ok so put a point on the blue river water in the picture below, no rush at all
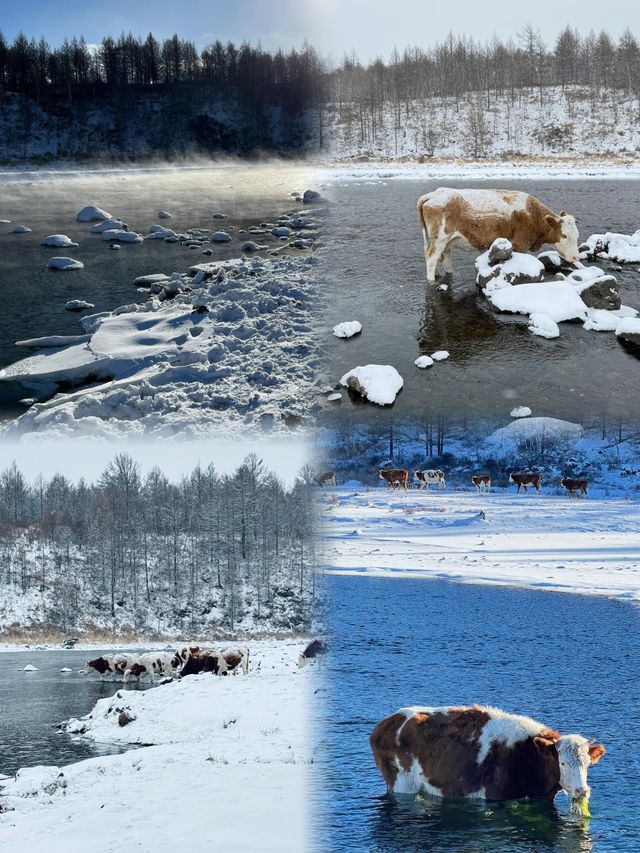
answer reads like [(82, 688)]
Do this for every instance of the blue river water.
[(571, 662)]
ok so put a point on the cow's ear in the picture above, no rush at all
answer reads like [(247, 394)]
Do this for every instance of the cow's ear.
[(552, 220), (596, 751), (543, 742)]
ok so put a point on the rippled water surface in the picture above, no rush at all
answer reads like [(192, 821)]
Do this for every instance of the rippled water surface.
[(570, 661), (375, 273), (33, 704)]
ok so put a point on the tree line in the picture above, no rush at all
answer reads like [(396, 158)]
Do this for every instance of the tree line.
[(230, 551)]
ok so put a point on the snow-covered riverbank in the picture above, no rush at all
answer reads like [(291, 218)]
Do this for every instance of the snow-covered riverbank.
[(542, 542), (224, 767)]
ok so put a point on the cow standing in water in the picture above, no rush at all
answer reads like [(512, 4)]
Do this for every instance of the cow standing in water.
[(526, 480), (473, 219), (480, 753)]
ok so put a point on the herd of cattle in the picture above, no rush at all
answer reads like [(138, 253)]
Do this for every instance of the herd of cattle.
[(398, 478), (188, 660)]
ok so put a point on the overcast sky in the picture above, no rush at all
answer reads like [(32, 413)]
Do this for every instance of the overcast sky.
[(88, 458), (371, 27)]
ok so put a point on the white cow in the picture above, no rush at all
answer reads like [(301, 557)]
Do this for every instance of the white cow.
[(430, 477)]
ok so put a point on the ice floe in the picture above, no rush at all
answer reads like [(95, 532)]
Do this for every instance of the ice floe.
[(347, 329), (423, 361), (440, 355), (378, 383)]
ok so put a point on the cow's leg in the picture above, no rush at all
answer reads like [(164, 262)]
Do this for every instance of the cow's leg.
[(447, 261)]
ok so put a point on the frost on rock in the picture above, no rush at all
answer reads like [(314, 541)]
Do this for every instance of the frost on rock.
[(220, 237), (164, 214), (347, 329), (622, 248), (109, 225), (65, 264), (58, 241), (500, 267), (120, 236), (424, 361), (90, 213), (157, 232), (78, 305), (543, 326), (378, 383), (21, 229), (520, 412)]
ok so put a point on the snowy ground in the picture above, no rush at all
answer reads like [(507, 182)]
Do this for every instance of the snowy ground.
[(536, 541), (224, 767)]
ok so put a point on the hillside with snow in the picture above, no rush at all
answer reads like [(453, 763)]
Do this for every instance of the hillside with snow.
[(551, 123)]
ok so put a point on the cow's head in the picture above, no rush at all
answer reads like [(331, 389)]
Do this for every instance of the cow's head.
[(511, 480), (575, 755), (99, 665), (565, 236)]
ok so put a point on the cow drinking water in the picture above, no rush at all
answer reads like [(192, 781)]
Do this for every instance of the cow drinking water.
[(480, 753), (473, 219)]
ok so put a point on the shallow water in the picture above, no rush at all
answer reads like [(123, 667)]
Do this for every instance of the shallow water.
[(375, 273), (33, 704), (570, 661), (34, 296)]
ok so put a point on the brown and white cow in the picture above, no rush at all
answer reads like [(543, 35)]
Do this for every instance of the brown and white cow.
[(430, 476), (236, 658), (327, 478), (110, 666), (474, 218), (481, 481), (149, 665), (315, 649), (480, 753), (213, 662), (395, 478), (573, 486), (526, 480)]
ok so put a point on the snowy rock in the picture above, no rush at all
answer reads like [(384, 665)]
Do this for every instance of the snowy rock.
[(157, 232), (424, 361), (378, 383), (115, 247), (78, 305), (607, 321), (220, 237), (108, 225), (164, 214), (58, 241), (30, 668), (21, 229), (518, 268), (628, 332), (309, 196), (553, 262), (334, 397), (66, 669), (148, 280), (5, 221), (92, 214), (64, 264), (543, 326), (220, 216), (622, 248), (597, 289), (520, 412), (117, 235), (557, 299), (281, 231), (347, 329), (500, 250), (249, 246)]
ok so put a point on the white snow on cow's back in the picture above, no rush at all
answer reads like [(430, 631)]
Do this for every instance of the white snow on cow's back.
[(484, 202)]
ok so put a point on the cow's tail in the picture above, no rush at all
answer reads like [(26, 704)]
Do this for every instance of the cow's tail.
[(423, 222)]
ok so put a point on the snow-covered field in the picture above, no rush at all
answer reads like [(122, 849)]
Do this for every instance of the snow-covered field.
[(223, 766), (536, 541)]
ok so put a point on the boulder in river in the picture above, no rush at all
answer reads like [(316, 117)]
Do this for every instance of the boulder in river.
[(310, 195), (378, 383), (628, 333), (220, 237), (91, 213), (64, 264)]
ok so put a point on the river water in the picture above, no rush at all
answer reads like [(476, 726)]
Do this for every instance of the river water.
[(571, 662), (34, 296), (32, 704), (374, 272)]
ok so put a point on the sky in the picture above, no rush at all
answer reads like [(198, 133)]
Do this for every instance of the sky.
[(335, 27), (88, 458)]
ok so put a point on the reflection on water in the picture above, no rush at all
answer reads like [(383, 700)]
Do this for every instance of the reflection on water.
[(374, 272), (33, 704), (569, 661)]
